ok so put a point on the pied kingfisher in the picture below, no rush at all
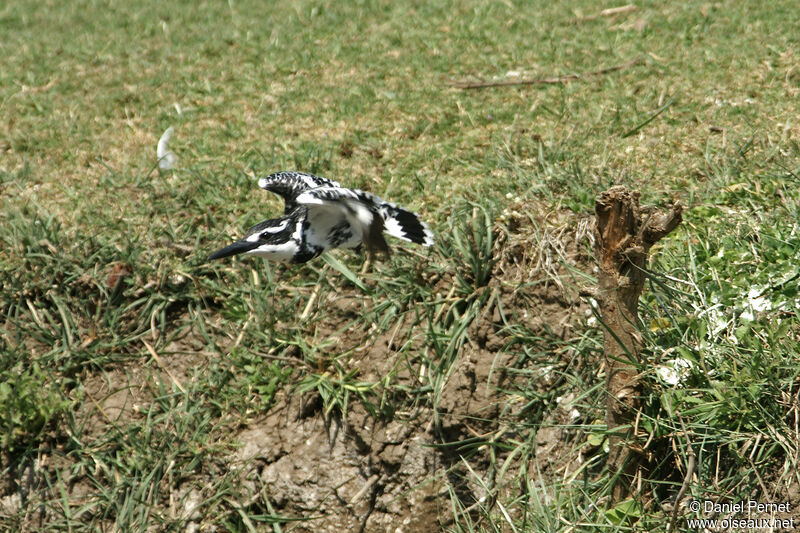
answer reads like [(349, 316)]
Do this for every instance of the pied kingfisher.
[(321, 214)]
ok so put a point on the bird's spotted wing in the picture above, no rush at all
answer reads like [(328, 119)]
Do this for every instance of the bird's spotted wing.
[(361, 204), (289, 185), (397, 221), (325, 195), (330, 206)]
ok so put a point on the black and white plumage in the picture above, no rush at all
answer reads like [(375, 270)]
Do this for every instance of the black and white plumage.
[(319, 215)]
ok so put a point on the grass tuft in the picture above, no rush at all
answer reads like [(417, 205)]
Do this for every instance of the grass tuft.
[(130, 367)]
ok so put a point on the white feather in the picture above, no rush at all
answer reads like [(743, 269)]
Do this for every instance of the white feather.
[(166, 158)]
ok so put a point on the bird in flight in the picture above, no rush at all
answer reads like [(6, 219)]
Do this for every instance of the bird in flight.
[(319, 215)]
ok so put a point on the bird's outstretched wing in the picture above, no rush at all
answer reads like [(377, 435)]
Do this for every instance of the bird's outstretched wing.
[(396, 221), (290, 184), (327, 195)]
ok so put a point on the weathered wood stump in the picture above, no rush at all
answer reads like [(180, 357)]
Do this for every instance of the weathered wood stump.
[(624, 234)]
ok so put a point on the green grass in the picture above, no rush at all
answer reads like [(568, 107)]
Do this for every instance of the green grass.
[(102, 255)]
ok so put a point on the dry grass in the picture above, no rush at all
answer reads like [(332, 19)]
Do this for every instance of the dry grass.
[(102, 253)]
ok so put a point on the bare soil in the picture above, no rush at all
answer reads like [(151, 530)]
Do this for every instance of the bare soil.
[(361, 473), (357, 471)]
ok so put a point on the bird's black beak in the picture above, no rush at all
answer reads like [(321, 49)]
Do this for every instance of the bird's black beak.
[(239, 247)]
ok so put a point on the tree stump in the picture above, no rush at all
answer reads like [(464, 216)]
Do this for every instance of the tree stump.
[(624, 234)]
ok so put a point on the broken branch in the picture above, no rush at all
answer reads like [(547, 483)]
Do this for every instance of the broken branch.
[(542, 81), (624, 234)]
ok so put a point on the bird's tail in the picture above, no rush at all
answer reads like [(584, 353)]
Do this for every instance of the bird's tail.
[(405, 225)]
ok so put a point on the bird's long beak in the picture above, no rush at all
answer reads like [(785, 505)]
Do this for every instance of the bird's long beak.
[(239, 247)]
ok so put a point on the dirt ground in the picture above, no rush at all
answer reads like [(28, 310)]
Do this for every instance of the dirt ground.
[(359, 472)]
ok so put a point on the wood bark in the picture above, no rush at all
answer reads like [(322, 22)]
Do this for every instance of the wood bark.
[(624, 234)]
